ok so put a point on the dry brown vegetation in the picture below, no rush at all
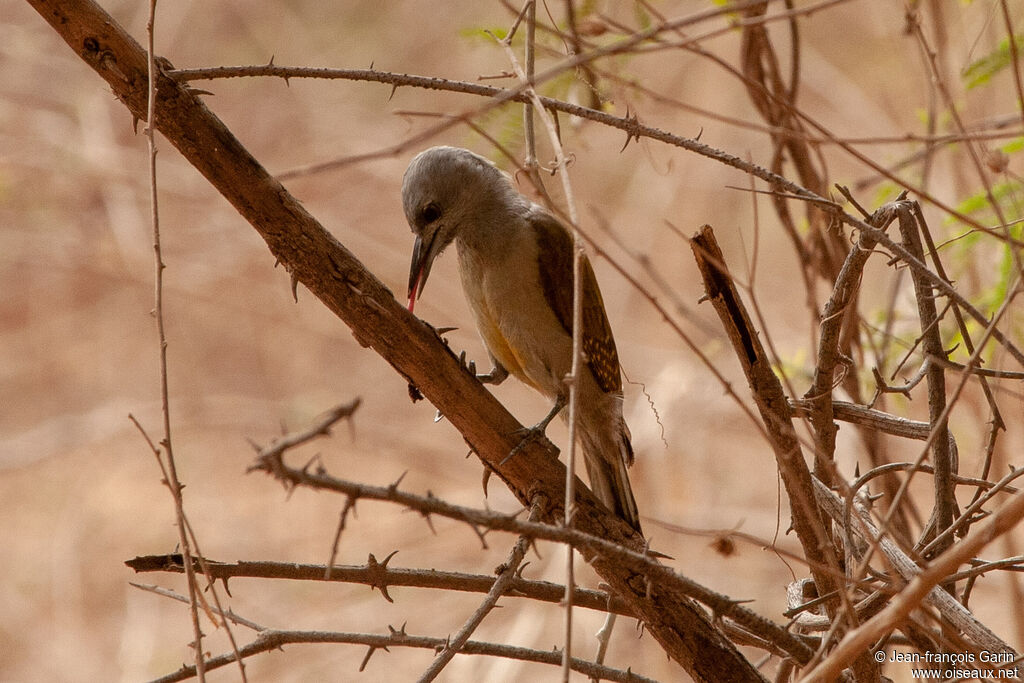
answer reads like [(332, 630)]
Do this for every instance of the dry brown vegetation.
[(883, 99)]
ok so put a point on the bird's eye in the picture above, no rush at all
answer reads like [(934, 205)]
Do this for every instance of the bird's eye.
[(430, 213)]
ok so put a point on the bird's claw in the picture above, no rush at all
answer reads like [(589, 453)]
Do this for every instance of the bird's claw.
[(533, 433), (468, 365), (537, 430)]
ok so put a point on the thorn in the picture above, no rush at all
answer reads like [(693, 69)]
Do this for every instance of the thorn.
[(414, 393), (305, 468), (398, 632), (271, 62), (486, 478), (480, 535), (438, 417), (295, 287), (430, 522), (394, 487), (630, 134), (371, 65), (394, 89), (224, 580), (370, 651), (377, 571)]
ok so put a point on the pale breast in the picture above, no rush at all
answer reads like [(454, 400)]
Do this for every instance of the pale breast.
[(515, 321)]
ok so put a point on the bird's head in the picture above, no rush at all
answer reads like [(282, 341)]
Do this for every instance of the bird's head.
[(446, 191)]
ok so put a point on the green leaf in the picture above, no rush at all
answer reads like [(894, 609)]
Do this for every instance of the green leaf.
[(1004, 193), (1013, 146), (479, 33), (981, 70)]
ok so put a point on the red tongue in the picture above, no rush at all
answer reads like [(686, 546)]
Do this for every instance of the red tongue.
[(415, 289)]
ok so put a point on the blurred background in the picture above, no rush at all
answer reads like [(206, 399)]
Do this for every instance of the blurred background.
[(80, 492)]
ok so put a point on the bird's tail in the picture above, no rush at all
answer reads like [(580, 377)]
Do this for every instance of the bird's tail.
[(607, 458)]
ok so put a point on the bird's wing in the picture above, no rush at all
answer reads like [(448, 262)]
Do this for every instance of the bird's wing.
[(555, 264)]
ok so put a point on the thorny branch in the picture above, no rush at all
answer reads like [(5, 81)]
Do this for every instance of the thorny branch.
[(274, 639), (381, 576), (314, 258), (324, 265), (771, 402), (634, 129), (922, 586), (508, 572), (484, 521)]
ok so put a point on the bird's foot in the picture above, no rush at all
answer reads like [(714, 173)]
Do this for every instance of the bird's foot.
[(496, 376), (536, 431), (533, 433)]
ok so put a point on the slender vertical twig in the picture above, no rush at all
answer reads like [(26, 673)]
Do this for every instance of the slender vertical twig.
[(172, 481), (577, 351), (528, 127), (931, 344), (526, 77)]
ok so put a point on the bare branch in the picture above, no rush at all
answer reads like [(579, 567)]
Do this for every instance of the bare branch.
[(868, 417), (931, 342), (272, 639), (771, 402), (543, 591), (633, 128), (647, 574), (333, 274), (921, 587), (508, 572)]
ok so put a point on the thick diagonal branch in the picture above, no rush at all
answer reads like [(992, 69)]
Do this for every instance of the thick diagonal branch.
[(317, 260), (773, 406)]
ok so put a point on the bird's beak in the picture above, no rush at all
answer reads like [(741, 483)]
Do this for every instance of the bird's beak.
[(419, 269)]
